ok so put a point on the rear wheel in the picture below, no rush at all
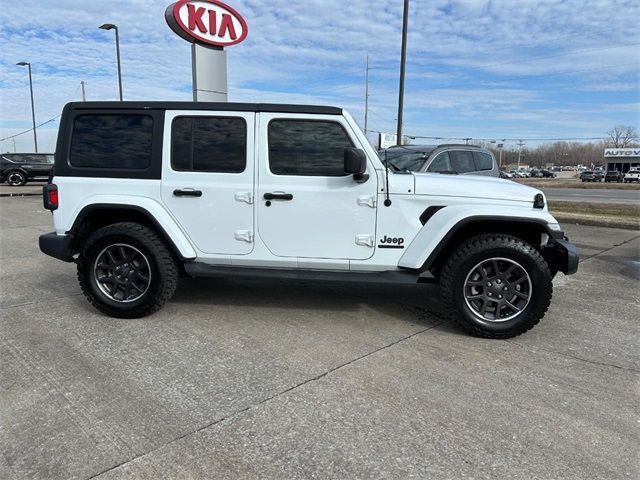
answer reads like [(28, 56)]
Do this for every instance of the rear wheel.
[(496, 286), (16, 178), (127, 271)]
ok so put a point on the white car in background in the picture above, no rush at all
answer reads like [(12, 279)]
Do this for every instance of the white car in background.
[(632, 175)]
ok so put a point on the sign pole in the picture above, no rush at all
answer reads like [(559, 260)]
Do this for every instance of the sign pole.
[(209, 72)]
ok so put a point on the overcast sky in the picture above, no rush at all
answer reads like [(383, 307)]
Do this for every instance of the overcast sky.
[(476, 68)]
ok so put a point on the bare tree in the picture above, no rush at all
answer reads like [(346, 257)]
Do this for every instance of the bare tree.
[(622, 136)]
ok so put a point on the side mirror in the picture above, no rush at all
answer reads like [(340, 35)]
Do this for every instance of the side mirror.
[(355, 163)]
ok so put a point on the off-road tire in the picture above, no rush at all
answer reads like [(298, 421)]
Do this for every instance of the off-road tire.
[(475, 250), (163, 264), (15, 178)]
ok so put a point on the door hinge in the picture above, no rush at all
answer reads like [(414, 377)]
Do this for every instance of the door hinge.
[(244, 236), (364, 240), (367, 200), (246, 197)]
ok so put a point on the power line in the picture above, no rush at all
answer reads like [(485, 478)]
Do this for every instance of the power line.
[(517, 139), (27, 131)]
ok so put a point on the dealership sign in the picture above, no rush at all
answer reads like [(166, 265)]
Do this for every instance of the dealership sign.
[(206, 22), (622, 152)]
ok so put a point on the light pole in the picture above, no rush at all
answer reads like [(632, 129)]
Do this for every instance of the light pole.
[(111, 26), (33, 110), (403, 62), (520, 145), (366, 95)]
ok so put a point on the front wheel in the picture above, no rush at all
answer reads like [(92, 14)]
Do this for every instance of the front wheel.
[(16, 178), (496, 286), (127, 271)]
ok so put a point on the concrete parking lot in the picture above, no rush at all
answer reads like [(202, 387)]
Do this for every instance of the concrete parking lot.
[(284, 379)]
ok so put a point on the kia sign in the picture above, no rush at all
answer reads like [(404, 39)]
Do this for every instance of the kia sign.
[(206, 22)]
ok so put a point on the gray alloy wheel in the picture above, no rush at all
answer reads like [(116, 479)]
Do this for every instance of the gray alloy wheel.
[(16, 179), (122, 273), (497, 289)]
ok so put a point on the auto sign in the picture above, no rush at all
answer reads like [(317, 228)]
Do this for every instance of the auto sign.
[(206, 22)]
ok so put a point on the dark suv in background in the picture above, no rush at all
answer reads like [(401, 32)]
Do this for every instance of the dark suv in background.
[(613, 176), (449, 158), (19, 168)]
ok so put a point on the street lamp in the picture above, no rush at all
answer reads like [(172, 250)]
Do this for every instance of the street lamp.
[(33, 110), (111, 26), (403, 61)]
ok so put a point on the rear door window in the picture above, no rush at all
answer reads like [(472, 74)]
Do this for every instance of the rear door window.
[(462, 161), (116, 141), (484, 161), (209, 144)]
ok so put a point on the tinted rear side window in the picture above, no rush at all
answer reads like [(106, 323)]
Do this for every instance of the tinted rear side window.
[(209, 144), (484, 161), (112, 141), (462, 161), (307, 148)]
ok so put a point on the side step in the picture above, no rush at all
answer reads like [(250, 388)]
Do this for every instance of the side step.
[(198, 269)]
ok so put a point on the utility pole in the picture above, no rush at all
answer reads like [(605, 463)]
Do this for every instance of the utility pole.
[(520, 145), (84, 97), (403, 62), (14, 144), (366, 95)]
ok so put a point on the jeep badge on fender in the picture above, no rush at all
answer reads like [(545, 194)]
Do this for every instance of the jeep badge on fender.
[(247, 206)]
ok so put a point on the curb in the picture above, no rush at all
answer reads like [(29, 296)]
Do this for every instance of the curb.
[(625, 224)]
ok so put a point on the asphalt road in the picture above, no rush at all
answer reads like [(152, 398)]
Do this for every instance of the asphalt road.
[(251, 379), (609, 195)]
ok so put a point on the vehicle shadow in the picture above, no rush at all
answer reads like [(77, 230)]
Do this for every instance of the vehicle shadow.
[(418, 304)]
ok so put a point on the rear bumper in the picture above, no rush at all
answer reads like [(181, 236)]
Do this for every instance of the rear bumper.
[(57, 246), (564, 254)]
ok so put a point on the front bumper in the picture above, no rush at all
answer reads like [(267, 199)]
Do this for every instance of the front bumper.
[(57, 246), (564, 254)]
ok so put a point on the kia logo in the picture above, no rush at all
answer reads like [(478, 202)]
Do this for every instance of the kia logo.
[(208, 22)]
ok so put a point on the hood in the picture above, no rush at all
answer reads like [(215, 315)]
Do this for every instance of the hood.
[(472, 186)]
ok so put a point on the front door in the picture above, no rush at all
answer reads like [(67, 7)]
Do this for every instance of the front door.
[(307, 206), (207, 178)]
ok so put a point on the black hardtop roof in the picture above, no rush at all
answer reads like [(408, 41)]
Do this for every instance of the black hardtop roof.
[(219, 106)]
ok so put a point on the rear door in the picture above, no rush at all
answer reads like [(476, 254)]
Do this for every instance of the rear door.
[(208, 178)]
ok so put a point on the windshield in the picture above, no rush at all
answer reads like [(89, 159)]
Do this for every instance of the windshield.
[(406, 159)]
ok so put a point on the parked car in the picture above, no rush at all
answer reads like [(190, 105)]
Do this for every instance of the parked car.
[(613, 176), (535, 173), (504, 174), (588, 176), (547, 174), (286, 191), (517, 174), (448, 158), (632, 175), (19, 168)]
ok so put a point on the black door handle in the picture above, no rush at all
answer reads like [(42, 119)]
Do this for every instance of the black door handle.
[(187, 193), (278, 196)]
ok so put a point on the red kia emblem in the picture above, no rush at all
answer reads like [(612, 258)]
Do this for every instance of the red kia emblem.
[(210, 22)]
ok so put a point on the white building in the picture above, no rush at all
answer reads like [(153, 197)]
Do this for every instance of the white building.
[(622, 159)]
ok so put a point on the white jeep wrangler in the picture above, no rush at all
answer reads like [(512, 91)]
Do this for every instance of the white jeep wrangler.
[(144, 192)]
